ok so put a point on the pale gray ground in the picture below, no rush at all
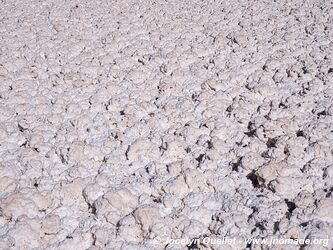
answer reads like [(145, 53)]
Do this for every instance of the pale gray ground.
[(124, 121)]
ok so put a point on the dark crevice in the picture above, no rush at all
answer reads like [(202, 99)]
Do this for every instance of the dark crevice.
[(200, 158), (322, 113), (271, 143), (276, 227), (254, 179), (300, 133), (237, 164), (304, 224), (291, 207), (251, 129)]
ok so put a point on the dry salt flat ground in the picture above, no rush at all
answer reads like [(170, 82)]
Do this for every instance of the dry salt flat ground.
[(125, 123)]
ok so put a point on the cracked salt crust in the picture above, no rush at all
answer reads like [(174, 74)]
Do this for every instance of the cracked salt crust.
[(125, 122)]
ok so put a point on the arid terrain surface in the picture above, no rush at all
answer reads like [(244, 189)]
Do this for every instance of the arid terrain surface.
[(124, 124)]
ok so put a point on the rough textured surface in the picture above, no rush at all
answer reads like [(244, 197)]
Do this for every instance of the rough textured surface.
[(124, 121)]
